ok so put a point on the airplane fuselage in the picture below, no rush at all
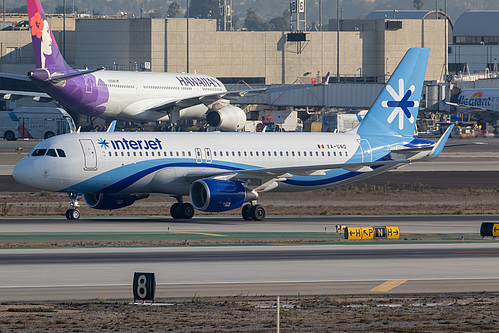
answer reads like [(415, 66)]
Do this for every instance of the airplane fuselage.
[(133, 96), (163, 162), (486, 99)]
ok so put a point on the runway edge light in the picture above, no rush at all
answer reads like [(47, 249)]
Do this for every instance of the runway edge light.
[(144, 287)]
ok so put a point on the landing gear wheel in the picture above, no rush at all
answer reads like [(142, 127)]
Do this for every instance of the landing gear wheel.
[(246, 213), (186, 211), (175, 211), (72, 214), (258, 212)]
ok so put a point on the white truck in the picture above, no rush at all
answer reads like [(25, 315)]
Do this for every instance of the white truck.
[(35, 123)]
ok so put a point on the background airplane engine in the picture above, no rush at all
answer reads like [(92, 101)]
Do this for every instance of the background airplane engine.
[(111, 201), (215, 195), (229, 118)]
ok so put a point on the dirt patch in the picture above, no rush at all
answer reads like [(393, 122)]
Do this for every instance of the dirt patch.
[(394, 313), (347, 200)]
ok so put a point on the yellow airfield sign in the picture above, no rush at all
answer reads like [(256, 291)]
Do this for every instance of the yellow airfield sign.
[(372, 232)]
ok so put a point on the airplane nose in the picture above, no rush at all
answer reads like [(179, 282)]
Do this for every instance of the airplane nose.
[(23, 172)]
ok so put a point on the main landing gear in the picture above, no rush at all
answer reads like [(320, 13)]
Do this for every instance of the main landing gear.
[(253, 212), (73, 213), (182, 210)]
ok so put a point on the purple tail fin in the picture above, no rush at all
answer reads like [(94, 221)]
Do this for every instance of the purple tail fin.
[(47, 54)]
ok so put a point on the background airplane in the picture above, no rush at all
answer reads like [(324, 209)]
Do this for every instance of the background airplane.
[(223, 171), (482, 104), (133, 96)]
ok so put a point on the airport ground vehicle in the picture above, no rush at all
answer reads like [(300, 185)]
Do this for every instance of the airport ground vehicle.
[(35, 123)]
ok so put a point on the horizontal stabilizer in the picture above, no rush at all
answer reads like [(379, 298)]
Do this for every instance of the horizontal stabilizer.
[(55, 79)]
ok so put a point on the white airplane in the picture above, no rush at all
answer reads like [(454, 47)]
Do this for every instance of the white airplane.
[(133, 96), (223, 171), (479, 99)]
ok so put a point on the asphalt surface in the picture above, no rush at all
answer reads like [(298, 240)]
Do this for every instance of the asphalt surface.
[(90, 273), (410, 224)]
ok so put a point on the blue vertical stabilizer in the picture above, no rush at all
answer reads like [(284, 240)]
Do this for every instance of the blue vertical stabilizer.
[(395, 110)]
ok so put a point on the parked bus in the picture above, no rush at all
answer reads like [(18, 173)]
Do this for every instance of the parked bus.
[(35, 123)]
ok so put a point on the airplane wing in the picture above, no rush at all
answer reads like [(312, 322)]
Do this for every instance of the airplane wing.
[(473, 109), (266, 179), (15, 95), (233, 95)]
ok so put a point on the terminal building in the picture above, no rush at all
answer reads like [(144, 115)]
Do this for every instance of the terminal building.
[(475, 46), (369, 50), (360, 57)]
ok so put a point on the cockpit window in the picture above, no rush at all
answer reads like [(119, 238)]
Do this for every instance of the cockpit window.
[(39, 152), (61, 153), (51, 152)]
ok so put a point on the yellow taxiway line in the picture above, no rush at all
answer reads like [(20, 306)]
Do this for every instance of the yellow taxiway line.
[(388, 285)]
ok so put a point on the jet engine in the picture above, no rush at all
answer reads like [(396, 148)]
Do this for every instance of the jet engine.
[(111, 201), (215, 195), (228, 119)]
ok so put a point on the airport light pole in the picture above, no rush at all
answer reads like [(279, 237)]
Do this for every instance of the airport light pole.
[(446, 41), (64, 29), (338, 41), (187, 36)]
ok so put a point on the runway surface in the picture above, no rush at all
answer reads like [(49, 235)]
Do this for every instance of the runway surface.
[(334, 268), (81, 274), (414, 224)]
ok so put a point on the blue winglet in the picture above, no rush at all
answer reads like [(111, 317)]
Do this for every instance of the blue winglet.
[(112, 126), (439, 146)]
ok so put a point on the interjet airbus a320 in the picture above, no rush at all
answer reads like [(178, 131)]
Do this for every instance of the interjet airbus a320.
[(223, 171), (133, 96)]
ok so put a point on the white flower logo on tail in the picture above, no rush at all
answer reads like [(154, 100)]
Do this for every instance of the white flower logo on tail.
[(401, 104)]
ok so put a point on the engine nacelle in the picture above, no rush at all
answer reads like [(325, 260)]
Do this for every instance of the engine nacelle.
[(215, 195), (228, 119), (111, 201)]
